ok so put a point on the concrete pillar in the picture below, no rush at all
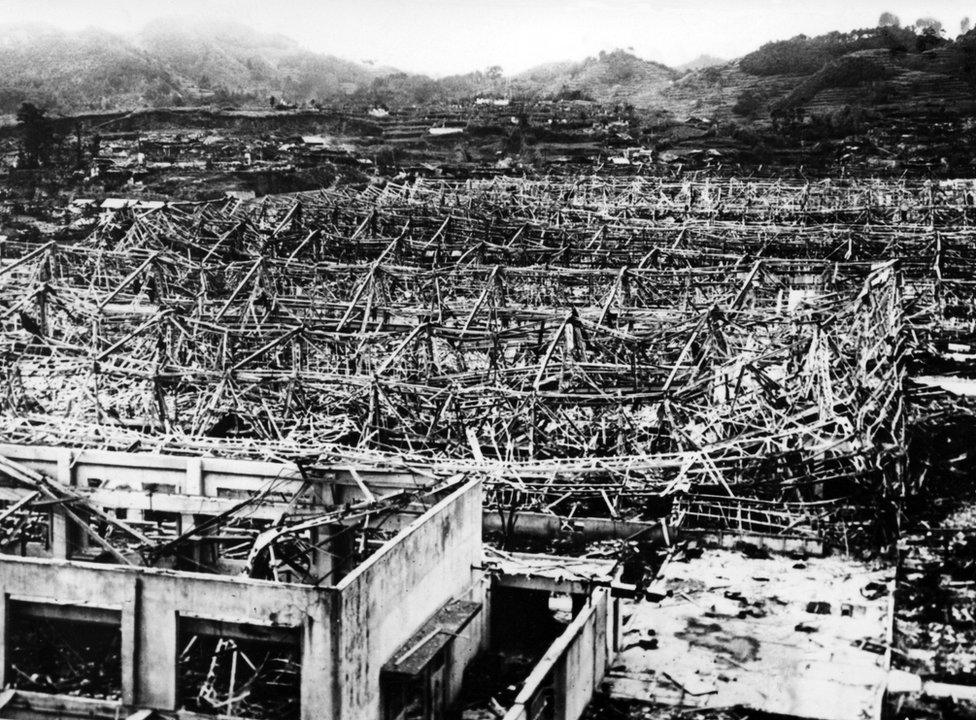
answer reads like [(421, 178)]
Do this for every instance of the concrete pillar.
[(130, 642), (65, 534), (4, 607), (601, 643), (188, 521), (156, 653), (193, 483), (66, 471), (319, 668), (76, 538), (60, 540), (323, 560), (327, 494), (327, 560)]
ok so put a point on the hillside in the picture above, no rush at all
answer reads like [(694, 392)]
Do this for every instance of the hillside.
[(871, 68), (700, 63), (175, 62), (235, 59), (613, 77), (180, 62), (170, 63), (90, 69)]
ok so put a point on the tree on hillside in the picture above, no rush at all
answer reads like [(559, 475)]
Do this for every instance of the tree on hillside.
[(929, 26), (965, 25), (748, 104), (495, 78), (37, 135), (888, 19)]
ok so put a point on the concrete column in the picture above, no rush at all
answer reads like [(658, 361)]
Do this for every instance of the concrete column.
[(76, 538), (324, 562), (4, 607), (66, 471), (59, 533), (193, 483), (318, 668), (130, 642), (188, 521), (156, 653), (601, 647), (327, 560), (328, 494)]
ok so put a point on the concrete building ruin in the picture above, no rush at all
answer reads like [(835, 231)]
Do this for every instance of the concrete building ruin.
[(369, 638), (335, 629), (370, 435)]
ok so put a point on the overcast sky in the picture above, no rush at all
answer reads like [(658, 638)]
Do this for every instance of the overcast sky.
[(441, 37)]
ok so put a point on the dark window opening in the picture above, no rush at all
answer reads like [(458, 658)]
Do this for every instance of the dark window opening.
[(417, 697), (22, 525), (524, 624), (542, 706), (160, 525), (239, 670), (404, 698), (65, 650)]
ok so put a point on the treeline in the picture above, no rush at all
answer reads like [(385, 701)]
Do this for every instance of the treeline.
[(803, 55)]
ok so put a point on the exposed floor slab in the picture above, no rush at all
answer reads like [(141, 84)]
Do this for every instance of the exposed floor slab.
[(806, 638)]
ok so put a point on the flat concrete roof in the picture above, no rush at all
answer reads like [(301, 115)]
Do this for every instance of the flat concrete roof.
[(806, 638)]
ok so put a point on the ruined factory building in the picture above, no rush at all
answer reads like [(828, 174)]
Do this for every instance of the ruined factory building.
[(480, 446), (360, 627)]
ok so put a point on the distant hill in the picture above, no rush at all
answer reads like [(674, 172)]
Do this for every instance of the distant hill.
[(700, 62), (90, 69), (611, 77), (175, 62), (171, 62), (236, 60), (869, 68)]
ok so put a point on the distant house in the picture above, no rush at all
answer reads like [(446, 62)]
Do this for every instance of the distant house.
[(112, 205), (497, 102), (82, 205), (319, 140), (446, 131)]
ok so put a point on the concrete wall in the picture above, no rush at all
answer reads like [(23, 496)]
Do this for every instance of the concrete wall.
[(349, 631), (388, 597), (585, 662), (194, 476), (573, 665), (151, 603), (472, 640)]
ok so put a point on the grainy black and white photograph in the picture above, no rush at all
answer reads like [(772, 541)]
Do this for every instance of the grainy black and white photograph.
[(511, 360)]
